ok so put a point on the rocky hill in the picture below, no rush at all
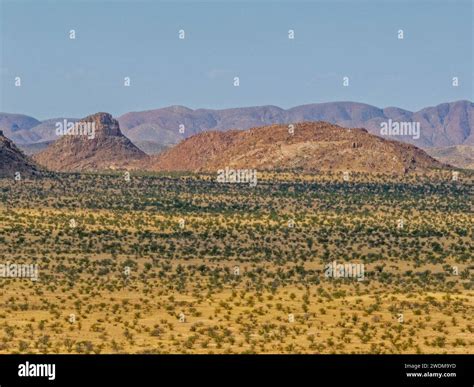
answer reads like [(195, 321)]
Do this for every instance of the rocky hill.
[(84, 149), (314, 146)]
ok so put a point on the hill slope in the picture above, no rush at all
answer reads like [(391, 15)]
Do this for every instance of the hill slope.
[(461, 156), (12, 160)]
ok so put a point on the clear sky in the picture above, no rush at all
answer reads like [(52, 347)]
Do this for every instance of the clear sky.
[(139, 39)]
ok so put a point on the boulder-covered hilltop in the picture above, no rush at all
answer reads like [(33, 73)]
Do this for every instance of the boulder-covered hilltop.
[(313, 146)]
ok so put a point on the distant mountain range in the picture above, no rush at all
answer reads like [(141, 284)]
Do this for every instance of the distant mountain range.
[(307, 147), (447, 124), (97, 143), (446, 132)]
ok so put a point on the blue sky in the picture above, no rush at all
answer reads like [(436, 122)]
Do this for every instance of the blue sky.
[(139, 39)]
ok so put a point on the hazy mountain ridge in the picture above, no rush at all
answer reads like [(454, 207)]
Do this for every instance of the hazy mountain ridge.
[(19, 128), (446, 124), (443, 125)]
